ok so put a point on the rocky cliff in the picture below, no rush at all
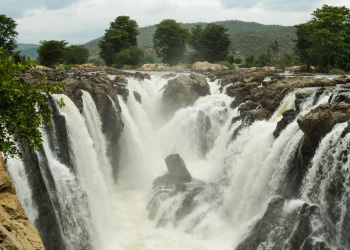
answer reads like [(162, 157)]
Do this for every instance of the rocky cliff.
[(16, 231)]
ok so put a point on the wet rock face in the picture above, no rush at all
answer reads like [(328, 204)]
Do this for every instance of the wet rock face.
[(268, 98), (183, 91), (177, 169), (16, 231), (287, 117), (105, 96), (288, 229), (321, 120), (137, 96)]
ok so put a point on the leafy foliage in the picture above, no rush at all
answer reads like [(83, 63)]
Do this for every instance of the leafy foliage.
[(51, 52), (23, 107), (210, 43), (325, 39), (8, 34), (121, 35), (131, 56), (170, 40), (76, 54)]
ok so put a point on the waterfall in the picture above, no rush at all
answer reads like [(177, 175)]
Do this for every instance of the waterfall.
[(243, 176)]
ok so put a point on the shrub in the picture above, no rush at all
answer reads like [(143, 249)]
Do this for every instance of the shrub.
[(336, 71)]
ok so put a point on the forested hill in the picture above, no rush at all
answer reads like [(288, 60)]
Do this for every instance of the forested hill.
[(28, 49), (249, 38)]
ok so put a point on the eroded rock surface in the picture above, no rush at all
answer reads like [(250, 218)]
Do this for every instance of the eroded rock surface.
[(183, 91), (321, 120), (206, 66), (16, 231)]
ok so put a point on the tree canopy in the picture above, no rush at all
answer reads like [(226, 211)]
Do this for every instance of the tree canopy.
[(8, 34), (23, 106), (76, 54), (170, 40), (210, 43), (51, 52), (120, 36), (325, 39)]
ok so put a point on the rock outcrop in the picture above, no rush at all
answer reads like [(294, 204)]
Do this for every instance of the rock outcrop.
[(265, 100), (183, 91), (289, 230), (321, 120), (206, 66), (16, 231), (177, 169)]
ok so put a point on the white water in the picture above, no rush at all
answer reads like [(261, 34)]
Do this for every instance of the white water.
[(245, 171)]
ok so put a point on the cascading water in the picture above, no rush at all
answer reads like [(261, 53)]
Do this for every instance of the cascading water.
[(240, 172)]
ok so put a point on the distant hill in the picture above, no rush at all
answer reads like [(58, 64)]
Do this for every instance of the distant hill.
[(28, 50), (249, 38)]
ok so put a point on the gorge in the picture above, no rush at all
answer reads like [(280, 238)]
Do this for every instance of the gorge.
[(264, 162)]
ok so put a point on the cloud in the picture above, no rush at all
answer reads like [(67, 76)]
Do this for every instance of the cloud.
[(275, 5), (17, 8), (79, 21)]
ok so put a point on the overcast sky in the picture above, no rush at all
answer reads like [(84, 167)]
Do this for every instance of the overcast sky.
[(79, 21)]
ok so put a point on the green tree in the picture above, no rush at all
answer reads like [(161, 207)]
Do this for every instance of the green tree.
[(76, 54), (121, 35), (130, 56), (275, 53), (8, 34), (195, 41), (325, 39), (51, 52), (23, 107), (215, 42), (210, 43), (249, 61), (170, 41), (303, 44)]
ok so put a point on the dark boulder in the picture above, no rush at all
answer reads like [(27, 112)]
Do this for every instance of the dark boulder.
[(141, 76), (177, 169), (183, 91), (137, 96), (288, 117), (320, 121)]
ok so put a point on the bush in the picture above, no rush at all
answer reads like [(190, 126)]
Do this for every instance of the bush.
[(51, 52), (23, 107), (130, 56), (226, 63), (76, 54), (336, 71)]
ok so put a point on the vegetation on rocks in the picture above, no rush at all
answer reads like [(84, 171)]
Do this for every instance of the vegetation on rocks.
[(23, 107)]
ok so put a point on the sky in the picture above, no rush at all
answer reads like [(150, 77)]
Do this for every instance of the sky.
[(80, 21)]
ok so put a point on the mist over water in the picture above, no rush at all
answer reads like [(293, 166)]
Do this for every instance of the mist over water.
[(240, 169)]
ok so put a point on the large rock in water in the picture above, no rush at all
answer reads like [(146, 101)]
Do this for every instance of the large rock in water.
[(177, 169), (321, 120), (16, 231), (183, 91)]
